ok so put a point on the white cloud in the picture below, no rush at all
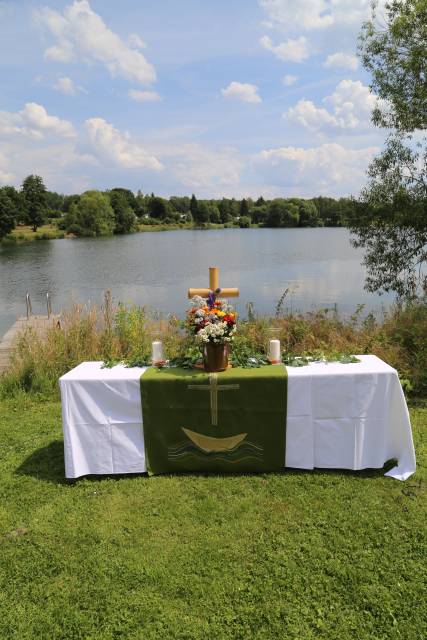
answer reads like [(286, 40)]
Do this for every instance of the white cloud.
[(6, 176), (114, 146), (352, 103), (309, 116), (33, 121), (329, 169), (35, 116), (200, 169), (242, 91), (66, 85), (307, 14), (136, 41), (292, 50), (144, 96), (55, 158), (332, 25), (69, 164), (342, 61), (351, 106), (289, 80), (352, 12), (82, 35)]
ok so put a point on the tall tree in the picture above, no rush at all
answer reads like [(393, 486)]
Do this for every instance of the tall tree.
[(7, 214), (201, 214), (93, 215), (141, 205), (54, 203), (34, 200), (224, 210), (234, 208), (308, 214), (194, 207), (16, 198), (158, 208), (124, 215), (127, 194), (68, 201), (180, 204), (244, 209), (282, 213), (390, 221), (214, 214), (259, 215)]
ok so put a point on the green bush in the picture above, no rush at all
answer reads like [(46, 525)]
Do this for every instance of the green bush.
[(244, 222), (149, 221)]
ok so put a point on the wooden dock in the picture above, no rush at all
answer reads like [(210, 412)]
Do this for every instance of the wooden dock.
[(39, 324)]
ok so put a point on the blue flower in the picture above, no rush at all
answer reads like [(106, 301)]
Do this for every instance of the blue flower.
[(211, 299)]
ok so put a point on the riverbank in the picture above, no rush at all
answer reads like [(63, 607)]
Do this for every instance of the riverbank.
[(24, 233)]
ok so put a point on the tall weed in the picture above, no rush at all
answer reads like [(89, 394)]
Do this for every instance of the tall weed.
[(88, 332)]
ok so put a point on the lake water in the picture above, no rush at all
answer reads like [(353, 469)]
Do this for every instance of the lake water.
[(319, 266)]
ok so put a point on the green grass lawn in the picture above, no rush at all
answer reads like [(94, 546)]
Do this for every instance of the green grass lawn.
[(48, 231), (296, 555)]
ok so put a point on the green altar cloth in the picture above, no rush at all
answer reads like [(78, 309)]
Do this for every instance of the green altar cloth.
[(233, 421)]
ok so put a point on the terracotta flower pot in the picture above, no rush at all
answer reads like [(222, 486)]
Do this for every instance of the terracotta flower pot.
[(215, 357)]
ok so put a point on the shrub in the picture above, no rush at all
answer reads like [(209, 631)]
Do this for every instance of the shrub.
[(149, 221), (244, 222)]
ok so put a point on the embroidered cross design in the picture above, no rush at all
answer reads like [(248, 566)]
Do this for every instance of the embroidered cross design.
[(213, 387)]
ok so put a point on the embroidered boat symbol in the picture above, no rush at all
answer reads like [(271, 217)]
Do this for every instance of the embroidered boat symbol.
[(213, 445)]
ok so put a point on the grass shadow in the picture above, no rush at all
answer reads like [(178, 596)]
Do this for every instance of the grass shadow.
[(359, 473), (46, 464)]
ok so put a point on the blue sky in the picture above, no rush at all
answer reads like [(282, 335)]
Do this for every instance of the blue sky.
[(216, 97)]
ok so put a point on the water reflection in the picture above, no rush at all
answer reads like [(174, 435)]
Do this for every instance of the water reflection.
[(319, 266)]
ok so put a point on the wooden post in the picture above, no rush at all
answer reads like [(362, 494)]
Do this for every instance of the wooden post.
[(214, 286), (213, 278)]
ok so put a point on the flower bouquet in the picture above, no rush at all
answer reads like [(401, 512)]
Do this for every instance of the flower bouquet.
[(213, 323)]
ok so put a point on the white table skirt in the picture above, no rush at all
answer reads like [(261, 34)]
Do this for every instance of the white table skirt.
[(339, 416)]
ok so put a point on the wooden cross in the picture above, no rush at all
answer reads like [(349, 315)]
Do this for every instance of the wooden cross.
[(214, 287), (213, 387)]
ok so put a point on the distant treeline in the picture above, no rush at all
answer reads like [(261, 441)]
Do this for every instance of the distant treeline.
[(119, 210)]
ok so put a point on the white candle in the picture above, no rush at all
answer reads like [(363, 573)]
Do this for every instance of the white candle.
[(274, 351), (157, 351)]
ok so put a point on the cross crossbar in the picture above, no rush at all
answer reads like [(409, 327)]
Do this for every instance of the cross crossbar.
[(214, 287), (213, 387)]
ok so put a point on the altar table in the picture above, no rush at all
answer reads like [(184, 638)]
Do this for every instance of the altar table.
[(339, 416)]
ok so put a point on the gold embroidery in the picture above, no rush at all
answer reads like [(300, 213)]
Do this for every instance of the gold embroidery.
[(209, 444), (213, 387)]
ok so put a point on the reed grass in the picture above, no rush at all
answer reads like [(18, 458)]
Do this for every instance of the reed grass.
[(116, 331)]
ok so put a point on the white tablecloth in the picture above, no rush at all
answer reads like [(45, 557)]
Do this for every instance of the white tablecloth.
[(339, 416)]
